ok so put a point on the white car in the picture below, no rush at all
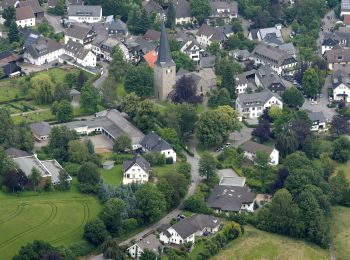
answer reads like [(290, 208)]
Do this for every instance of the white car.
[(313, 102)]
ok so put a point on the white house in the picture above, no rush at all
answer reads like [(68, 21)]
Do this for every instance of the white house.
[(85, 13), (42, 51), (228, 198), (82, 56), (25, 17), (81, 34), (191, 48), (318, 121), (225, 10), (206, 35), (251, 148), (261, 34), (40, 130), (337, 57), (341, 86), (154, 143), (187, 229), (253, 105), (241, 83), (136, 170), (182, 12), (149, 242), (105, 47)]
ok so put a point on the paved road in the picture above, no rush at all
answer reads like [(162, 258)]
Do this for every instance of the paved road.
[(54, 21), (30, 112), (103, 77), (194, 161), (242, 136)]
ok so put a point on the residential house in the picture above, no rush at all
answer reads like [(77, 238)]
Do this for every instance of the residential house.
[(25, 17), (252, 105), (288, 48), (251, 148), (318, 121), (152, 7), (7, 3), (345, 11), (117, 28), (85, 13), (341, 86), (204, 79), (73, 2), (48, 169), (225, 10), (136, 170), (151, 35), (227, 199), (43, 50), (40, 130), (29, 36), (138, 47), (52, 3), (260, 34), (151, 58), (337, 57), (338, 38), (154, 143), (79, 54), (234, 181), (240, 55), (207, 61), (14, 152), (268, 79), (187, 229), (191, 48), (81, 34), (110, 123), (182, 12), (104, 48), (241, 83), (149, 242), (206, 35), (74, 96), (8, 63), (34, 4), (280, 61)]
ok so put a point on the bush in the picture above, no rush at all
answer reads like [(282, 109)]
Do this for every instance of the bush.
[(155, 158), (82, 248), (169, 160), (120, 158), (95, 231), (88, 188), (72, 168)]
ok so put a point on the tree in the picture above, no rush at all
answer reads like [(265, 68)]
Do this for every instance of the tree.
[(183, 61), (207, 166), (112, 215), (274, 112), (339, 187), (151, 203), (61, 92), (341, 149), (148, 255), (138, 20), (13, 34), (81, 80), (287, 143), (95, 231), (9, 14), (219, 97), (129, 104), (34, 177), (78, 151), (118, 66), (186, 91), (111, 249), (170, 21), (109, 92), (171, 136), (339, 126), (43, 88), (262, 166), (35, 250), (311, 83), (64, 181), (146, 115), (214, 126), (64, 112), (14, 180), (228, 80), (262, 131), (88, 178), (293, 98), (122, 143), (200, 9), (89, 99), (139, 79), (59, 142), (282, 174)]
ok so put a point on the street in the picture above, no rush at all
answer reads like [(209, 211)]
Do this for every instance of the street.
[(104, 75), (54, 21), (242, 136)]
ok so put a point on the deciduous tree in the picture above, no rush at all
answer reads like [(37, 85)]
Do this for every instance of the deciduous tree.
[(293, 98), (42, 89), (200, 9), (112, 215), (185, 91), (34, 177), (139, 79), (207, 166), (95, 231), (89, 99), (122, 143), (64, 112)]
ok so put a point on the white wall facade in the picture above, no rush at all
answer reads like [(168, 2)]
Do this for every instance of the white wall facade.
[(87, 19), (183, 20), (342, 89), (274, 156), (135, 174), (52, 56), (26, 22), (169, 154), (241, 88), (177, 239), (88, 61), (67, 38), (135, 251)]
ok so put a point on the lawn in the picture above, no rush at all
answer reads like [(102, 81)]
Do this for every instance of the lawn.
[(56, 217), (34, 117), (256, 244), (9, 92), (113, 176), (341, 232), (161, 170)]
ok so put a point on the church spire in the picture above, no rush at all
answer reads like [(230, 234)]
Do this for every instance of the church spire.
[(164, 54)]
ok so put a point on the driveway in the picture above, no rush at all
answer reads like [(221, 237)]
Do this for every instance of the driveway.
[(321, 102), (328, 21), (103, 77), (195, 179), (242, 136), (54, 21)]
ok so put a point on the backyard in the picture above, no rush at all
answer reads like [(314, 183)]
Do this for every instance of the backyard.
[(56, 217), (113, 176), (341, 232)]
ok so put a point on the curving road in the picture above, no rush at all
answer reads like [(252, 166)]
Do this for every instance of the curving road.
[(195, 179)]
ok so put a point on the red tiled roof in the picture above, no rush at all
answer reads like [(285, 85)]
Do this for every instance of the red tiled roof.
[(151, 58)]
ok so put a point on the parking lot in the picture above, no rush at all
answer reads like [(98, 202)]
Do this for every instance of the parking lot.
[(101, 143)]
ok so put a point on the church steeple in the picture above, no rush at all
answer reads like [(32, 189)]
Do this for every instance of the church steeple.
[(164, 54)]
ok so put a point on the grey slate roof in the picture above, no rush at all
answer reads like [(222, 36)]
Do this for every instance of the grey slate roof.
[(84, 10), (42, 46), (34, 4), (254, 147), (188, 226), (207, 61), (155, 143), (40, 128), (150, 242), (140, 161), (164, 54), (256, 99), (273, 55), (269, 79), (228, 198), (340, 77), (232, 6), (118, 25), (337, 55), (79, 31), (152, 7), (14, 152), (182, 9), (317, 117), (215, 33), (77, 49), (6, 3)]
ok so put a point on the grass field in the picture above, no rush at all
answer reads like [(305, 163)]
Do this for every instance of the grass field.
[(113, 176), (341, 232), (56, 217), (258, 245)]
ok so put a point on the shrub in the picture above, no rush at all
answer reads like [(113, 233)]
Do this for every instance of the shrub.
[(95, 231), (72, 168), (82, 248)]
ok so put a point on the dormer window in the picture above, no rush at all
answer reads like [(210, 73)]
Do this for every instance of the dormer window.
[(339, 57)]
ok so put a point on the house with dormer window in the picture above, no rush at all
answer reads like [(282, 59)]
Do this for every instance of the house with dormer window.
[(136, 170), (337, 57)]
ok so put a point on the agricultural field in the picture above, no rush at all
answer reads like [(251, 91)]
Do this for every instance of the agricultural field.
[(56, 217), (341, 232), (257, 244)]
